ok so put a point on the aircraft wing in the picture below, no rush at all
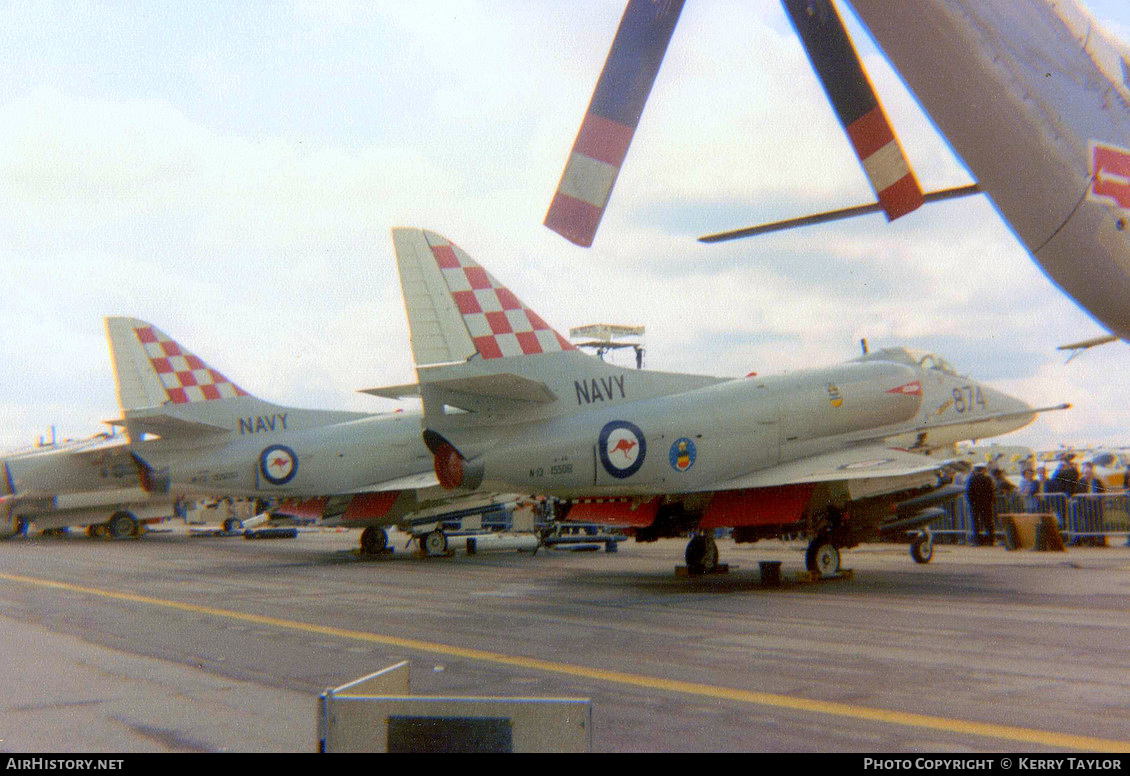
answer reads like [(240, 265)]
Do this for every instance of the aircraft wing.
[(863, 462), (421, 481)]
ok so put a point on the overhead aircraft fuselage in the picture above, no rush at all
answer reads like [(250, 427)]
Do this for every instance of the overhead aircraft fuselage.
[(1036, 101)]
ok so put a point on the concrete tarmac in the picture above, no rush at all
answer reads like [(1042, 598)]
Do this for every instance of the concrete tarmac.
[(178, 643)]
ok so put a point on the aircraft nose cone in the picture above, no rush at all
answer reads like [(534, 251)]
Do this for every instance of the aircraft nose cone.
[(1018, 413)]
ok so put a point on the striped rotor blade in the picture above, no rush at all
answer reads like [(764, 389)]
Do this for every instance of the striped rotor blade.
[(610, 122), (841, 73)]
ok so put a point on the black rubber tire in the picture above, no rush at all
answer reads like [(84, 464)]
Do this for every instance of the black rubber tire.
[(434, 543), (122, 525), (922, 549), (822, 556), (374, 540)]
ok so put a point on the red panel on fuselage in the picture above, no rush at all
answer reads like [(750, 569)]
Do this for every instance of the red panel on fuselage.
[(310, 509), (624, 513), (780, 505), (370, 506), (362, 507)]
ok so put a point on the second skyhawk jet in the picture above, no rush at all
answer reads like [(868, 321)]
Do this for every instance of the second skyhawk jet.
[(837, 453)]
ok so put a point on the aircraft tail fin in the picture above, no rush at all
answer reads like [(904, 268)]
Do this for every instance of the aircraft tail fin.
[(153, 370), (167, 390), (481, 351), (457, 311)]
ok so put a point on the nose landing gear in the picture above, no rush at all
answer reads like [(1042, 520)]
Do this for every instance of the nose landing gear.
[(822, 557)]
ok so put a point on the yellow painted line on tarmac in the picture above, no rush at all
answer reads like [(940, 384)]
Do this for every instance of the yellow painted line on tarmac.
[(905, 719)]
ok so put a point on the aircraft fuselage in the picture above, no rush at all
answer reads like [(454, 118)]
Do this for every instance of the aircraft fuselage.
[(1036, 102), (711, 438)]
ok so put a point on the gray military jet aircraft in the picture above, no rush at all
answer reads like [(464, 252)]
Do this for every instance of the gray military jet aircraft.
[(90, 482), (194, 432), (836, 453)]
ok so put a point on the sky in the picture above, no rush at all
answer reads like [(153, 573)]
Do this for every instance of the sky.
[(230, 172)]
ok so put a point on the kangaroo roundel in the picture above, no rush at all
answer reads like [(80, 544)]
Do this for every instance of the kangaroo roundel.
[(622, 448), (278, 464)]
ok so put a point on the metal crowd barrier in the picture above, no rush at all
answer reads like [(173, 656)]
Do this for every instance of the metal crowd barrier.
[(1082, 518)]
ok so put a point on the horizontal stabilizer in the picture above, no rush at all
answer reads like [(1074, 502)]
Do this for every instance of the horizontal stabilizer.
[(396, 392), (167, 426), (498, 385)]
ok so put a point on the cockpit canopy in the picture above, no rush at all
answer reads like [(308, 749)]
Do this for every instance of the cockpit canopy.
[(910, 357)]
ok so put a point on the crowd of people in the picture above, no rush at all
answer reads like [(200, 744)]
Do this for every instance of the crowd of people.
[(984, 484)]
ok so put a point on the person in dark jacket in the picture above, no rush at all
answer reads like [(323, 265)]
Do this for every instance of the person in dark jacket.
[(1066, 477), (980, 492), (1089, 483)]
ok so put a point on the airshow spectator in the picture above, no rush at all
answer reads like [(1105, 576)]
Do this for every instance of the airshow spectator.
[(1089, 483), (1066, 477), (1030, 491), (1001, 482), (979, 491)]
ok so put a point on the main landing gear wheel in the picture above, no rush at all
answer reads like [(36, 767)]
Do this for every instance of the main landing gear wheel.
[(822, 556), (701, 555), (434, 543), (374, 540), (122, 526), (922, 548), (233, 524)]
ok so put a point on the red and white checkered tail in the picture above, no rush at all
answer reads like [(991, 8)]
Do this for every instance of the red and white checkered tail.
[(153, 370), (457, 310)]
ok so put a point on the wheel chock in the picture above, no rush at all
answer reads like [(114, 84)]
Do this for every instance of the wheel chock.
[(721, 568), (770, 573), (816, 576), (363, 555)]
